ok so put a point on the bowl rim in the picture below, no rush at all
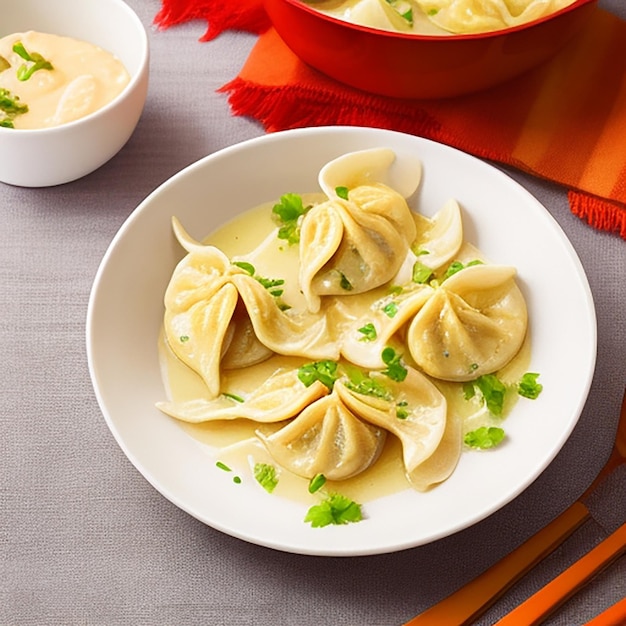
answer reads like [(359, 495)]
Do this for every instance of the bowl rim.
[(301, 5), (135, 79)]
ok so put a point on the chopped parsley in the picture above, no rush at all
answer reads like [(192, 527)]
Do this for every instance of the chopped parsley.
[(401, 410), (223, 466), (366, 386), (492, 390), (335, 509), (10, 108), (317, 482), (324, 371), (266, 476), (528, 387), (484, 437), (288, 212), (270, 284), (457, 266), (395, 369), (421, 273), (391, 309), (25, 71), (369, 332), (342, 192), (183, 338)]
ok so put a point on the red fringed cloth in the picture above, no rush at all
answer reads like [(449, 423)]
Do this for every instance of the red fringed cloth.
[(564, 122)]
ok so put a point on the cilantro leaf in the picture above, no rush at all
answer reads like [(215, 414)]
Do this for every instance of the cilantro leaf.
[(324, 371), (528, 387), (366, 386), (288, 211), (484, 437), (492, 389), (266, 476), (369, 332), (395, 370), (336, 510)]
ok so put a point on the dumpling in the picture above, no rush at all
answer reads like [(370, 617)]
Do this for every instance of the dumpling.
[(326, 438), (414, 410), (217, 312), (349, 246), (279, 398), (476, 16), (473, 324)]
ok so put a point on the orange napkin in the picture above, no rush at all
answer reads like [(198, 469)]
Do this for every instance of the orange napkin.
[(564, 122)]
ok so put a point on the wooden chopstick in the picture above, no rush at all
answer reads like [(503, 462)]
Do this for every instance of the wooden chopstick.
[(545, 601), (615, 615)]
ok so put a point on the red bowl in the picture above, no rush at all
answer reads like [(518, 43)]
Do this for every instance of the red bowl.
[(417, 66)]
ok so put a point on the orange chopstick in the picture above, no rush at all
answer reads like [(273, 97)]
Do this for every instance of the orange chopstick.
[(613, 616), (536, 608)]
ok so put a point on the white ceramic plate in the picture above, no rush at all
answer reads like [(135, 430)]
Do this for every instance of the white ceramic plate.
[(500, 217)]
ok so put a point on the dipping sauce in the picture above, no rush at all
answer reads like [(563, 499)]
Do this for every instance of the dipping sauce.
[(55, 80)]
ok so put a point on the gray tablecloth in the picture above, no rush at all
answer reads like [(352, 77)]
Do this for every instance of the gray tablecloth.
[(84, 539)]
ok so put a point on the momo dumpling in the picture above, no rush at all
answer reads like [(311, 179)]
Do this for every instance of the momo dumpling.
[(414, 410), (476, 16), (473, 324), (218, 315), (326, 438), (358, 239), (279, 398)]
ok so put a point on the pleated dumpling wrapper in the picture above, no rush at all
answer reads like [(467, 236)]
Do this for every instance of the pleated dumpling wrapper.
[(473, 324), (480, 16), (326, 438), (359, 238), (216, 313), (280, 397), (413, 409)]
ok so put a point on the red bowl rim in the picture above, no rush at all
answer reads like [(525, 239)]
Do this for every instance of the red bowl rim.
[(300, 5)]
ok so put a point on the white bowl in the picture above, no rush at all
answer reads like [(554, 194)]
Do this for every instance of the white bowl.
[(126, 313), (51, 156)]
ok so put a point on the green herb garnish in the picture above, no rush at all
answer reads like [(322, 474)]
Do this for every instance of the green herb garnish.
[(344, 283), (390, 309), (266, 476), (342, 192), (421, 273), (24, 72), (335, 509), (232, 396), (183, 338), (316, 483), (245, 266), (492, 390), (288, 211), (369, 332), (484, 437), (11, 107), (395, 369), (457, 266), (223, 466), (401, 410), (528, 387), (366, 386), (324, 371), (4, 64)]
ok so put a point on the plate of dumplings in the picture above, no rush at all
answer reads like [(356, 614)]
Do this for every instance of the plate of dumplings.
[(321, 340)]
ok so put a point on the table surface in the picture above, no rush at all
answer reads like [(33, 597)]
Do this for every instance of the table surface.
[(84, 539)]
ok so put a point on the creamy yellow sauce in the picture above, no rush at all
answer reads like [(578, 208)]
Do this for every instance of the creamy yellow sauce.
[(235, 440), (83, 79)]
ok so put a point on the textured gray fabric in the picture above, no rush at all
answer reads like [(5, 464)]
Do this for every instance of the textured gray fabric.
[(84, 539)]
